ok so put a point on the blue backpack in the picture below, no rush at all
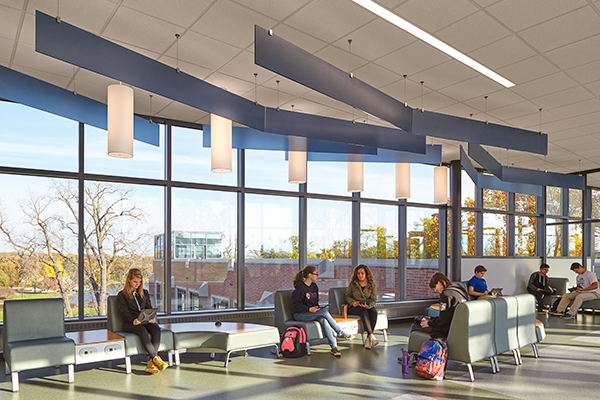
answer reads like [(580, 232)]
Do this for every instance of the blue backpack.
[(431, 360)]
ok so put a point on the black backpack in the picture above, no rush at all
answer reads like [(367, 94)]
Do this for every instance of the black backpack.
[(293, 344)]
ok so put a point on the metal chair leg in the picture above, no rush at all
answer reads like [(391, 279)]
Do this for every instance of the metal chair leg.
[(15, 381), (71, 374), (471, 372)]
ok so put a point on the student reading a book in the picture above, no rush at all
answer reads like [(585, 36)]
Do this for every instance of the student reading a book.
[(130, 302), (305, 305), (361, 297)]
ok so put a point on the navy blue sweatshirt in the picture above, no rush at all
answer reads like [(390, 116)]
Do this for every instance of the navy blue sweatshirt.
[(305, 297)]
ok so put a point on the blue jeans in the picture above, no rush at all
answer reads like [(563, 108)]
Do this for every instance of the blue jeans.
[(326, 321)]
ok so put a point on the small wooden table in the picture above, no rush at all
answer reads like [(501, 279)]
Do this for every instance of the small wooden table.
[(97, 345), (348, 325), (226, 338)]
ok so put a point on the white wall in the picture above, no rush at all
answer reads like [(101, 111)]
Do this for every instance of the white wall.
[(512, 274)]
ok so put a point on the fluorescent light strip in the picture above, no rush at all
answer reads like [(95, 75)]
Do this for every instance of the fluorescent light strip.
[(426, 37)]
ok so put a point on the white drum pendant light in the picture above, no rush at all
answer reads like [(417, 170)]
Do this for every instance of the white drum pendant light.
[(297, 166), (220, 144), (355, 176), (402, 180), (120, 121), (440, 185)]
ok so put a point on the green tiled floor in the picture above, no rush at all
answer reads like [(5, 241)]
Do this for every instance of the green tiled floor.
[(358, 374)]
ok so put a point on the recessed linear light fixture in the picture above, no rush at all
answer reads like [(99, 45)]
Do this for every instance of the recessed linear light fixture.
[(426, 37)]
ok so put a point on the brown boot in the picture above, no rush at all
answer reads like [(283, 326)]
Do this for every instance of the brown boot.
[(151, 368), (159, 363)]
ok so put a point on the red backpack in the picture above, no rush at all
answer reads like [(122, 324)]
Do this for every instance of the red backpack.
[(431, 360), (294, 342)]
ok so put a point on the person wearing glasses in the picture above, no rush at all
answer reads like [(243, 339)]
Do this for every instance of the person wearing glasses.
[(361, 297), (305, 305)]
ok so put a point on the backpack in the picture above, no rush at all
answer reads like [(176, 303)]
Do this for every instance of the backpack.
[(293, 344), (431, 360)]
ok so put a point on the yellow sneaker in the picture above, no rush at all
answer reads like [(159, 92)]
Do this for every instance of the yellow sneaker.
[(159, 363), (151, 368)]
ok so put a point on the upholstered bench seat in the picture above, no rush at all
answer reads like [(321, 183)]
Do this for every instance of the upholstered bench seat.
[(25, 355)]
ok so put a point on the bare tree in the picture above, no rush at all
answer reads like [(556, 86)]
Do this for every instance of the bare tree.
[(110, 215), (45, 243)]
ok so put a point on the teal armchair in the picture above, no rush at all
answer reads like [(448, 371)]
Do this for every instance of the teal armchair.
[(34, 337), (284, 318)]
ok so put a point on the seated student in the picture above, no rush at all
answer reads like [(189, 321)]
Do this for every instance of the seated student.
[(587, 289), (539, 287), (477, 285), (305, 305), (130, 302), (451, 295), (361, 297)]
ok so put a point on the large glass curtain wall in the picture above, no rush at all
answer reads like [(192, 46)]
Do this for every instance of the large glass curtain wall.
[(73, 221)]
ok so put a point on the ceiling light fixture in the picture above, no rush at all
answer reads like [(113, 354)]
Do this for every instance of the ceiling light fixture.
[(426, 37), (402, 180), (355, 176), (440, 185), (220, 144), (120, 121)]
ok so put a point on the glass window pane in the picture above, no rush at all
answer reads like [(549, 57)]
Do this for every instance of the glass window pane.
[(595, 204), (379, 247), (596, 233), (121, 224), (380, 181), (494, 199), (467, 190), (30, 138), (38, 256), (575, 203), (191, 161), (554, 201), (525, 203), (329, 242), (525, 236), (574, 240), (422, 250), (328, 178), (421, 183), (494, 234), (554, 235), (468, 233), (268, 169), (147, 161), (271, 247), (208, 281)]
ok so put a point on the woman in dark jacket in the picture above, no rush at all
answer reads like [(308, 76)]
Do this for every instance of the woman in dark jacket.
[(361, 297), (450, 296), (130, 302)]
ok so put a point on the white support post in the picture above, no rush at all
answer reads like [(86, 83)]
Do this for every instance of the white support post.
[(128, 365), (71, 369), (15, 381)]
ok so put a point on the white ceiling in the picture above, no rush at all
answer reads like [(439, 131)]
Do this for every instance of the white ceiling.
[(549, 48)]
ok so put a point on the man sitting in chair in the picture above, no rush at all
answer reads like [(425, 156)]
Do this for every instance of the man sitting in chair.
[(539, 286), (587, 289)]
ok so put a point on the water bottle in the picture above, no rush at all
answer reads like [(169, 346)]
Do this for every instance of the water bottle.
[(405, 365)]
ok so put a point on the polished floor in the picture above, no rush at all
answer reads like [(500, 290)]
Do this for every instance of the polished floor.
[(569, 368)]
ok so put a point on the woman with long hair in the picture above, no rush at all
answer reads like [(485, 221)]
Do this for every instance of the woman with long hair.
[(130, 302), (305, 305), (361, 297)]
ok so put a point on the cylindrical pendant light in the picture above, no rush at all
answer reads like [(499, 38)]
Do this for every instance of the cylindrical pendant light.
[(297, 167), (440, 185), (402, 180), (120, 121), (220, 144), (355, 176)]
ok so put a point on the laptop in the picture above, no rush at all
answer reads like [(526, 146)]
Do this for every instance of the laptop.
[(147, 314)]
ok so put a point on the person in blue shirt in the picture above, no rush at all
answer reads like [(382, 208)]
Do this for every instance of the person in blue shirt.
[(477, 285), (305, 306)]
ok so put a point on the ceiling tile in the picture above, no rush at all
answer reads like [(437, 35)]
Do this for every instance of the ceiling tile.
[(305, 42), (519, 14), (330, 20), (594, 88), (231, 23), (340, 58), (583, 120), (575, 54), (473, 32), (286, 86), (6, 48), (563, 30), (445, 74), (503, 52), (203, 51), (243, 67), (413, 58), (412, 95), (178, 12), (375, 76), (575, 109), (585, 73), (471, 88), (230, 84), (9, 22), (546, 85), (562, 98), (526, 70), (437, 15)]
